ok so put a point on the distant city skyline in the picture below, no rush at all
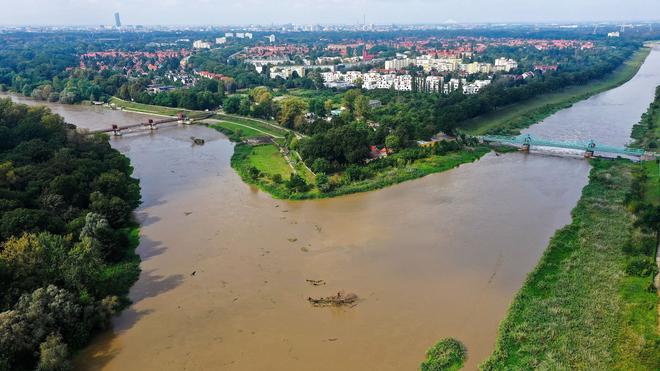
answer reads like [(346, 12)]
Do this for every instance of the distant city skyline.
[(222, 12)]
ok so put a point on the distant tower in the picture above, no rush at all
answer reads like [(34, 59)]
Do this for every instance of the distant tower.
[(117, 21)]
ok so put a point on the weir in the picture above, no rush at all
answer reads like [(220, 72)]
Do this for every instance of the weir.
[(150, 124)]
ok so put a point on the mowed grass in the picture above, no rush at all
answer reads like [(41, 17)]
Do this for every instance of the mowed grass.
[(265, 127), (243, 131), (268, 159), (146, 108), (525, 113), (578, 310)]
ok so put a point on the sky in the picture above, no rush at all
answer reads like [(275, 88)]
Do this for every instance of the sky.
[(235, 12)]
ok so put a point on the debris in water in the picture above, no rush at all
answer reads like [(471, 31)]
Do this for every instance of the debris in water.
[(338, 300), (316, 282), (187, 212), (304, 249), (293, 239), (193, 273), (198, 141)]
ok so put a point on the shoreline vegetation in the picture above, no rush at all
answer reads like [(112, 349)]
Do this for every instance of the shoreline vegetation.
[(68, 237), (275, 169), (591, 302), (511, 119)]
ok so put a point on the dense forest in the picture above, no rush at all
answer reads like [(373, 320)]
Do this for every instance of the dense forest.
[(67, 237)]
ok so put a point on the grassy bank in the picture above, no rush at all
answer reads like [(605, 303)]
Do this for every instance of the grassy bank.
[(273, 176), (583, 306), (510, 119), (145, 108)]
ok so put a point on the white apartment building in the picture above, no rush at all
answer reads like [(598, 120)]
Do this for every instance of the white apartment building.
[(452, 85), (398, 64), (374, 80), (475, 87), (229, 34), (426, 62), (286, 72), (220, 40), (271, 38), (201, 44), (433, 84), (476, 67), (505, 65)]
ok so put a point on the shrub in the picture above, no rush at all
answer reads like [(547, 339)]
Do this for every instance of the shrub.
[(641, 266), (446, 354)]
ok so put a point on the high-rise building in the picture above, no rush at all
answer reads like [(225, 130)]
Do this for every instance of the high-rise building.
[(117, 20)]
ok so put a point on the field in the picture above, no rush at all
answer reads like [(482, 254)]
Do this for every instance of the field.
[(511, 118), (269, 160), (145, 108), (241, 130), (262, 126), (580, 308)]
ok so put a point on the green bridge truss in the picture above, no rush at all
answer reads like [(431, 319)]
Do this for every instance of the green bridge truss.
[(591, 146)]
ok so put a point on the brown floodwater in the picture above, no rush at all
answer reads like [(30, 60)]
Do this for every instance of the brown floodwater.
[(224, 266)]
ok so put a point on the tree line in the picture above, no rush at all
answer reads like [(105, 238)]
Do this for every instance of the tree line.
[(67, 237)]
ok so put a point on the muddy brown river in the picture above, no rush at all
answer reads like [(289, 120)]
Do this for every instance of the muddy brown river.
[(224, 266)]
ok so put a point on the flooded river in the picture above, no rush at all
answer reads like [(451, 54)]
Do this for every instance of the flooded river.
[(224, 266)]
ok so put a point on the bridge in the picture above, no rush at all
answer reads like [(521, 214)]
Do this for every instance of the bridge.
[(151, 124), (526, 141)]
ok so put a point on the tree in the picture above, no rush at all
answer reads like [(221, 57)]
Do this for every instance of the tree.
[(361, 107), (291, 113), (323, 182), (232, 104), (53, 355), (296, 183), (393, 142)]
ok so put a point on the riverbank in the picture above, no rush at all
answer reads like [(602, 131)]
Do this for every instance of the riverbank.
[(270, 167), (585, 306), (274, 177), (510, 119)]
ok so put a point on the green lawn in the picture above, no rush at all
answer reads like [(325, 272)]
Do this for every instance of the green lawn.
[(240, 130), (511, 118), (146, 108), (271, 128), (269, 160)]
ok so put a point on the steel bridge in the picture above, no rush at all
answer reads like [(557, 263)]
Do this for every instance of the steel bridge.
[(526, 141)]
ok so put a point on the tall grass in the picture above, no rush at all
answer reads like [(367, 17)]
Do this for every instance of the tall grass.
[(578, 310)]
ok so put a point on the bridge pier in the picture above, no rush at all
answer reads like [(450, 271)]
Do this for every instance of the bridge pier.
[(588, 154), (116, 131), (525, 148)]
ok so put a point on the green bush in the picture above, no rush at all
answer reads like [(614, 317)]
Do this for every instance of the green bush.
[(641, 266), (446, 354)]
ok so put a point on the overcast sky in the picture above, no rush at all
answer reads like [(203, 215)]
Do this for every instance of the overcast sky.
[(224, 12)]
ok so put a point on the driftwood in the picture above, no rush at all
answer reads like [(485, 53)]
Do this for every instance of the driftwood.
[(338, 300), (198, 141), (316, 282)]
